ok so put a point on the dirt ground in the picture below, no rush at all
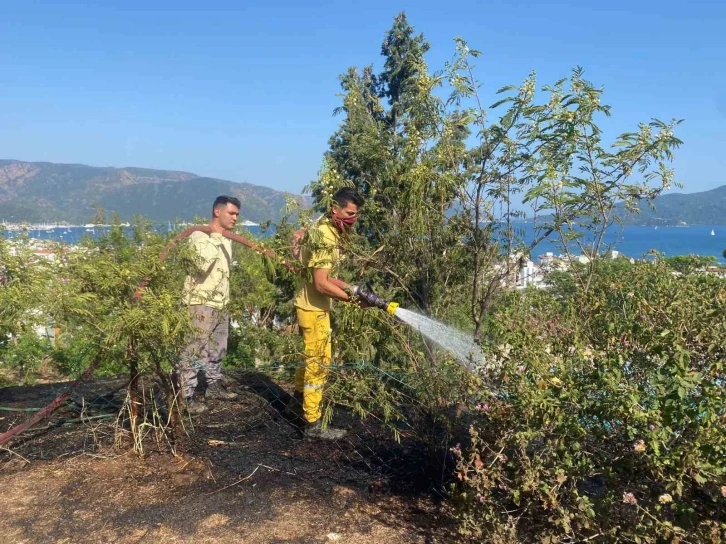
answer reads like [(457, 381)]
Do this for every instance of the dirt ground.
[(246, 476)]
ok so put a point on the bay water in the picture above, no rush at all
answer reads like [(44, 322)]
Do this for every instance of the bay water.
[(632, 241)]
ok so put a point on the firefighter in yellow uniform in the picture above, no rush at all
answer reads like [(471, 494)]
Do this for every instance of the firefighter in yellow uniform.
[(320, 256)]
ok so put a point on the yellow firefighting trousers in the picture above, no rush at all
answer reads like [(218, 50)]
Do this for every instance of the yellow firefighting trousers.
[(312, 374)]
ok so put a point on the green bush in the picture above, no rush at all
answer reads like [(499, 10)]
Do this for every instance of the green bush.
[(73, 353), (609, 418), (22, 359), (251, 346)]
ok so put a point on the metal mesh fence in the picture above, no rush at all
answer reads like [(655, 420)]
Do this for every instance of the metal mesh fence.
[(261, 428)]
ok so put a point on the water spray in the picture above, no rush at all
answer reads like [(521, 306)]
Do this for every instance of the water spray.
[(459, 344)]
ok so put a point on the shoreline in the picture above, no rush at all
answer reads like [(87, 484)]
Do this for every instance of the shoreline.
[(53, 226)]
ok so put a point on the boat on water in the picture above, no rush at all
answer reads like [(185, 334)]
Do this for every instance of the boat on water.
[(713, 233)]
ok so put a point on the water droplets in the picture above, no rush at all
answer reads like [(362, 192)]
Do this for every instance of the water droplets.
[(460, 345)]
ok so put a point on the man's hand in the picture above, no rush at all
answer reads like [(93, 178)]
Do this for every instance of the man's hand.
[(365, 293), (297, 238), (352, 291)]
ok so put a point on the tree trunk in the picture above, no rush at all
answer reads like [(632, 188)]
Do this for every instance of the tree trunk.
[(134, 398)]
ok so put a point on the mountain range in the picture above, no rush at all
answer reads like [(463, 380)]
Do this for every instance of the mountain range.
[(37, 192), (702, 208)]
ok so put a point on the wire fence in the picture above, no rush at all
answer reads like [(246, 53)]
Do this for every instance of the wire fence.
[(262, 427)]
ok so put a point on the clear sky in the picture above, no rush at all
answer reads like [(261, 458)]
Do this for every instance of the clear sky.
[(245, 90)]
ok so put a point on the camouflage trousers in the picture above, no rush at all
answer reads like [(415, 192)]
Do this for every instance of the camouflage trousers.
[(205, 351)]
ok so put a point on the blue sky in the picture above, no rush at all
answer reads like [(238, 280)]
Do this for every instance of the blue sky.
[(246, 92)]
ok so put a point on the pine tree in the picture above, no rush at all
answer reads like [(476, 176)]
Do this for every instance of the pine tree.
[(402, 156)]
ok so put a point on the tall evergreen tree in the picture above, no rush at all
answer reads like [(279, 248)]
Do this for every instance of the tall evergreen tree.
[(402, 156)]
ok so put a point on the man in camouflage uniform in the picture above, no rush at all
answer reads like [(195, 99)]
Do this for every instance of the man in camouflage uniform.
[(206, 294)]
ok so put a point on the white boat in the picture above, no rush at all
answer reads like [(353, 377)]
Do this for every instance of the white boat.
[(713, 233)]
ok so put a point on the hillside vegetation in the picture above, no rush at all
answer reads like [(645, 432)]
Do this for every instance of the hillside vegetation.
[(39, 191)]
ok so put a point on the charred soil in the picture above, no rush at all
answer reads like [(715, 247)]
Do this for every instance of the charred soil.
[(245, 475)]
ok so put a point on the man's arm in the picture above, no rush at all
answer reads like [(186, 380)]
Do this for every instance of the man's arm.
[(206, 248), (330, 287)]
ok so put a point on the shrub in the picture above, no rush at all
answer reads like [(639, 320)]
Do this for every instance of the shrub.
[(22, 358), (608, 422)]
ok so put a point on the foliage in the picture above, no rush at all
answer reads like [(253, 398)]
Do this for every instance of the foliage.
[(72, 354), (88, 294), (252, 294), (551, 153), (446, 178), (555, 435), (23, 357), (254, 345), (608, 421), (261, 295), (687, 264), (399, 159), (97, 300), (24, 278)]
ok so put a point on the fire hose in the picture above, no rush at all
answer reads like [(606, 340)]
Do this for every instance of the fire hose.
[(364, 292)]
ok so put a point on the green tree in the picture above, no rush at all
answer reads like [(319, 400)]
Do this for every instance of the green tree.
[(89, 294), (24, 277), (549, 154), (396, 155), (687, 264), (447, 178)]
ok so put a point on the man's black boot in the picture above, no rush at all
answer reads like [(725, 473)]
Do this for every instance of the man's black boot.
[(195, 407), (216, 391), (315, 431)]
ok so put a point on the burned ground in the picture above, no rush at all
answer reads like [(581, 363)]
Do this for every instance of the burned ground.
[(245, 476)]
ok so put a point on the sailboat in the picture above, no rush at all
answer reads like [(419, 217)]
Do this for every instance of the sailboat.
[(713, 233)]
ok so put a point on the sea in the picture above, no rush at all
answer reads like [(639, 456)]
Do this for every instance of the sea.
[(637, 241), (631, 241)]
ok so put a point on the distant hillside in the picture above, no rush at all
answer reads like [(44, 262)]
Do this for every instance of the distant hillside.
[(704, 208), (41, 191)]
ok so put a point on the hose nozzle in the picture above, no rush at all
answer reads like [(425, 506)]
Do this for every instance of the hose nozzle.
[(366, 293)]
